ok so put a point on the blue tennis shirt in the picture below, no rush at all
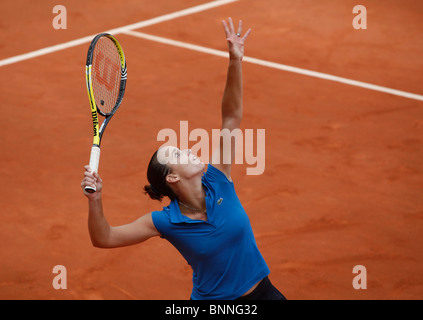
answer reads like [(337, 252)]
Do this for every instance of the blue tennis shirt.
[(222, 251)]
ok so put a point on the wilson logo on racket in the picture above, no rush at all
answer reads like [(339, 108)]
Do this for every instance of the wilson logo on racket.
[(95, 121), (106, 71)]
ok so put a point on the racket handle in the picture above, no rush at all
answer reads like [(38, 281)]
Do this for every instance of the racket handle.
[(94, 161)]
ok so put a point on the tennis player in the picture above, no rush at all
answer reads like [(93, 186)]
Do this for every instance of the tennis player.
[(205, 220)]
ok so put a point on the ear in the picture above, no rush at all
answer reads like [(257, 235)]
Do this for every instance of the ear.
[(172, 178)]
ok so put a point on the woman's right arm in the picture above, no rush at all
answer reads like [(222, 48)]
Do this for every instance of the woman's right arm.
[(102, 234)]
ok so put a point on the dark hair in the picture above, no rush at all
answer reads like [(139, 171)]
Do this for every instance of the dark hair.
[(156, 176)]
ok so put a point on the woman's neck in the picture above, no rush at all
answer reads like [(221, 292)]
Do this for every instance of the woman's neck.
[(191, 193)]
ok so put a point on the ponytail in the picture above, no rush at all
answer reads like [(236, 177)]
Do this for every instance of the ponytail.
[(156, 176), (152, 192)]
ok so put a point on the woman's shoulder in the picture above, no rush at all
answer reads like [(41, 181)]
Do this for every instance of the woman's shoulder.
[(162, 220), (161, 216)]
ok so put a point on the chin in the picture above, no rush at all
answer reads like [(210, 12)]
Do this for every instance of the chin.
[(200, 165), (194, 169)]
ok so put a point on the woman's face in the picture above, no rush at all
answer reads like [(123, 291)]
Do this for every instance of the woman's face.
[(182, 162)]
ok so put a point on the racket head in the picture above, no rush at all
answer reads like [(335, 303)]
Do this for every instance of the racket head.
[(106, 74)]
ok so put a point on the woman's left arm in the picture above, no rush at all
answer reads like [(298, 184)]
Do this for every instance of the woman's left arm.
[(232, 99)]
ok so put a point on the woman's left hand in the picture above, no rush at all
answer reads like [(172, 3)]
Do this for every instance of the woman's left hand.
[(235, 41)]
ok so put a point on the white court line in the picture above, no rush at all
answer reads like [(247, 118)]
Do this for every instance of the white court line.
[(128, 30), (138, 25), (278, 66)]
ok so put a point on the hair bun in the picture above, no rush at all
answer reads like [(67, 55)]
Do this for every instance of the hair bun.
[(152, 192)]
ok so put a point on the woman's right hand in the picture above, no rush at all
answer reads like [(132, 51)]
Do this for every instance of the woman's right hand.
[(91, 179)]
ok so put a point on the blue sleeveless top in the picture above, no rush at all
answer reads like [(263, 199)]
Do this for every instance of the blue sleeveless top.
[(222, 251)]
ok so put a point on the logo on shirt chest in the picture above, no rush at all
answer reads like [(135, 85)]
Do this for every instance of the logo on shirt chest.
[(219, 202)]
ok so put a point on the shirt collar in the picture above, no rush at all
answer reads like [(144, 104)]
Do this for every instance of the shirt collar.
[(175, 213)]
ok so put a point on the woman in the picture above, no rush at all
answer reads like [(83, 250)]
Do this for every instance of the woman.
[(205, 220)]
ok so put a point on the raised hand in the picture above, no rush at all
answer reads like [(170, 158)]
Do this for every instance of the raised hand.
[(235, 41)]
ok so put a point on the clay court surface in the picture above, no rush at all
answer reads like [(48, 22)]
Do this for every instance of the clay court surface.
[(343, 182)]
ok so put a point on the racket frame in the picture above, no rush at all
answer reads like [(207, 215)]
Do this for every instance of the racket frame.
[(95, 111)]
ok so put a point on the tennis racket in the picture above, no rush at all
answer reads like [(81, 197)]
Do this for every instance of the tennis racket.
[(105, 74)]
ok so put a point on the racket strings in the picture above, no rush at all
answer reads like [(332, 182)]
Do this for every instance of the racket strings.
[(106, 74)]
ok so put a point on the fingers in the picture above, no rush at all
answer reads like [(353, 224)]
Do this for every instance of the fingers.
[(95, 174), (231, 25), (90, 178), (239, 27), (85, 183), (227, 32), (246, 35), (97, 177), (230, 30)]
